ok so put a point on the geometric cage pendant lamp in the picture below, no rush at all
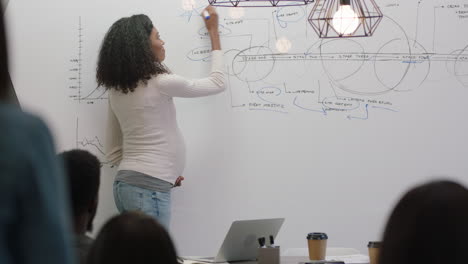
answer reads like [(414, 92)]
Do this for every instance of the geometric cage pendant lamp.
[(258, 3), (345, 18)]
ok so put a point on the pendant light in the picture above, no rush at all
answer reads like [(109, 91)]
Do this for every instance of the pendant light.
[(345, 18)]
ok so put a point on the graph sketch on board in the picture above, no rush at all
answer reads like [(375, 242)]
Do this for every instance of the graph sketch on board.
[(92, 143), (78, 91)]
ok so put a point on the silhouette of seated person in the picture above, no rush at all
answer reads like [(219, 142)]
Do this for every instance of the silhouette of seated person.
[(34, 217), (133, 238), (428, 225), (83, 170)]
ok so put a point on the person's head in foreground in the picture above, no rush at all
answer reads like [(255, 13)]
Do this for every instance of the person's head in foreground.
[(132, 238), (428, 225), (83, 170)]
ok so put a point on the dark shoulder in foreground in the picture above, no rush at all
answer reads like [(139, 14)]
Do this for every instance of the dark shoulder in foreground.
[(15, 122), (20, 131)]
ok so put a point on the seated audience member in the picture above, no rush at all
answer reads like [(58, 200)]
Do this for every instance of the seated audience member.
[(429, 225), (83, 169), (132, 238), (34, 217)]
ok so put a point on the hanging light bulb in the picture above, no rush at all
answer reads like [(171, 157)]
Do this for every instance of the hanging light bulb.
[(345, 20)]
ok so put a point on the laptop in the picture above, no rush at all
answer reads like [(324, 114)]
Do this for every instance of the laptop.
[(241, 241)]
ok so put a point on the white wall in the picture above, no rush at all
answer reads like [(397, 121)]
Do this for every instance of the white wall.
[(278, 143)]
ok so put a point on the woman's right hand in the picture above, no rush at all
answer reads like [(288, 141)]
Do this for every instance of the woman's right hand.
[(212, 22), (212, 27)]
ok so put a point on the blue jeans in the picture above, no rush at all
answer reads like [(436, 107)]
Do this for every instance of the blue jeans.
[(131, 198)]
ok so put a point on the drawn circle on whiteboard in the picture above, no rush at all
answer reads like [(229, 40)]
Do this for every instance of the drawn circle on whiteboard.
[(461, 67), (401, 61), (229, 56), (419, 68), (394, 64), (253, 64), (339, 58), (383, 62), (268, 93)]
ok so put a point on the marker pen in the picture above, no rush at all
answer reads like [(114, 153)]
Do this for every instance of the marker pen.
[(206, 14), (272, 241), (261, 241)]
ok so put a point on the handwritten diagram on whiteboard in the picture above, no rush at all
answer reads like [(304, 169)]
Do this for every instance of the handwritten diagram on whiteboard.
[(276, 63)]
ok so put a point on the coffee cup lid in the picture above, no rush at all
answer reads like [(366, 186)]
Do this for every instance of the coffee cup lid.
[(374, 244), (317, 236)]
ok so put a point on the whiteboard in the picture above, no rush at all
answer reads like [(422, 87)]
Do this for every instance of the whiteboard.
[(327, 133)]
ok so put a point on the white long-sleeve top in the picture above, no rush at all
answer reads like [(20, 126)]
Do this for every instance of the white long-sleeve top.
[(142, 130)]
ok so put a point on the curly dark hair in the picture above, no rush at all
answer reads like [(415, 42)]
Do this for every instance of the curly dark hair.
[(126, 58)]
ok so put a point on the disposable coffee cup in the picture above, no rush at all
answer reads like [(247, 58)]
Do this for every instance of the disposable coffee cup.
[(374, 248), (317, 245)]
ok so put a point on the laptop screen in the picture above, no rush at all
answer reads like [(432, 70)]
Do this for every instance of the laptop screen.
[(241, 242)]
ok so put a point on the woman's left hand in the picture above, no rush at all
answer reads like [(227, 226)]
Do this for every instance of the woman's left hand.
[(179, 180)]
